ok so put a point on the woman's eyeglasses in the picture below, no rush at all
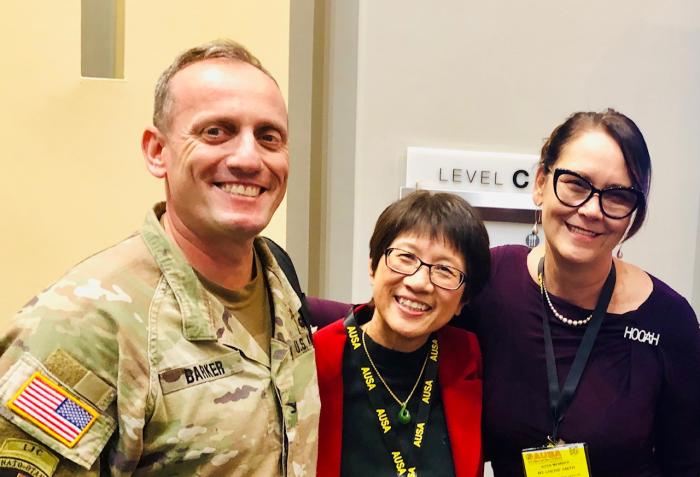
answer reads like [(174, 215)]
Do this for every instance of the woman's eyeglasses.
[(615, 202), (407, 263)]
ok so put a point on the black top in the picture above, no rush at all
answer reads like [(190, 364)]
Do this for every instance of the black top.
[(638, 403), (364, 452)]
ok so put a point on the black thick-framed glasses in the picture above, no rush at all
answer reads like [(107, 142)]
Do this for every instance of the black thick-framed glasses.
[(574, 190), (407, 263)]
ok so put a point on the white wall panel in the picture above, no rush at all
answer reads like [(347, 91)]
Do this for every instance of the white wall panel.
[(498, 76)]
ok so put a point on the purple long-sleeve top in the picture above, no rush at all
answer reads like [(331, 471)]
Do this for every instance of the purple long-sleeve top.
[(637, 406)]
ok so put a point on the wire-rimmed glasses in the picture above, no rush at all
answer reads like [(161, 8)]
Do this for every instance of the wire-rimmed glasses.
[(407, 263)]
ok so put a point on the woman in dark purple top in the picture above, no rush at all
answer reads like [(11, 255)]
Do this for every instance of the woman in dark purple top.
[(636, 403)]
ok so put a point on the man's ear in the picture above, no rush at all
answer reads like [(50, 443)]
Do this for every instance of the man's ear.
[(152, 145), (371, 272)]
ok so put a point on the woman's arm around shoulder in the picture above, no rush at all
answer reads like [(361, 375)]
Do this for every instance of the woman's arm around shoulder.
[(324, 312)]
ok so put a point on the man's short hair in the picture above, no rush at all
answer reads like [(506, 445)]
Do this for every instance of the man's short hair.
[(223, 48)]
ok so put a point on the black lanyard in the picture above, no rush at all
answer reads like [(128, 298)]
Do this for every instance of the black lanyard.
[(405, 460), (559, 401)]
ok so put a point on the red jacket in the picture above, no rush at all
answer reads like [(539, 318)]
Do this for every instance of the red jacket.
[(459, 374)]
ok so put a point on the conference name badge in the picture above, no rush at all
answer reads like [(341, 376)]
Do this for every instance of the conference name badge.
[(565, 460)]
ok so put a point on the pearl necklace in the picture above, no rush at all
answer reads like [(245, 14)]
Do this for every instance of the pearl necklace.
[(404, 416), (561, 317)]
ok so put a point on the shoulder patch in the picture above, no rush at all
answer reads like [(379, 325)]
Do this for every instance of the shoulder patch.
[(53, 409), (25, 457), (60, 418)]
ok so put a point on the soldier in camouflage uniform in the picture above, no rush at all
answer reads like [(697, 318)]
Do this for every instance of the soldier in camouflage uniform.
[(144, 359)]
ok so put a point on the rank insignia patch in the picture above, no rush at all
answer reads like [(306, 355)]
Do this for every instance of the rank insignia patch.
[(54, 410)]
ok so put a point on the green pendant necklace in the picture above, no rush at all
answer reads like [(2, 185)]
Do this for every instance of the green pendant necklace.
[(403, 416)]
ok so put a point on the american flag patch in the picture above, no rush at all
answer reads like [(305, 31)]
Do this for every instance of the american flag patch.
[(54, 410)]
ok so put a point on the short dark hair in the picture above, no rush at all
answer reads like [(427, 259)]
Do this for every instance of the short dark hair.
[(627, 136), (222, 48), (437, 215)]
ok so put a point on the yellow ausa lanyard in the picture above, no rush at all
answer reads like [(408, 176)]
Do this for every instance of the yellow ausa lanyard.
[(557, 458), (405, 460)]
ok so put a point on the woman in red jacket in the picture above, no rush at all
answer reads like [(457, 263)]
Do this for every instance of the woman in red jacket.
[(400, 391)]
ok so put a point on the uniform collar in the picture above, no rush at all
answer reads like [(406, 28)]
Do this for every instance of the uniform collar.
[(196, 307), (201, 312)]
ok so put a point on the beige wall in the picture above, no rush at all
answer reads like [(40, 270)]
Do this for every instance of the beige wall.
[(73, 180)]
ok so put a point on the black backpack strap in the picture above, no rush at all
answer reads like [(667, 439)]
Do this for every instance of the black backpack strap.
[(285, 263)]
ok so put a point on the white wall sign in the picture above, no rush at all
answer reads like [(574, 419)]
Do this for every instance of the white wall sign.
[(498, 184), (491, 180)]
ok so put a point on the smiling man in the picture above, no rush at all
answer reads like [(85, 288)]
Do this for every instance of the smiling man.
[(179, 351)]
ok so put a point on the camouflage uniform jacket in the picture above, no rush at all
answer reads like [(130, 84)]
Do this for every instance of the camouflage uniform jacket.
[(157, 377)]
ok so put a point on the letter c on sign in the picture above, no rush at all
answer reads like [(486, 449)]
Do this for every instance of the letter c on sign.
[(516, 176)]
